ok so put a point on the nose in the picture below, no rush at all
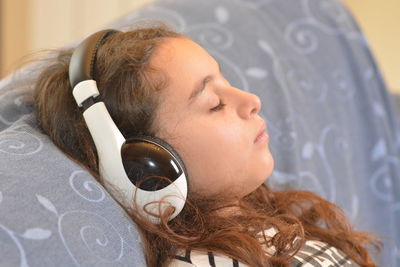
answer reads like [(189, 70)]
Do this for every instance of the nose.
[(249, 105)]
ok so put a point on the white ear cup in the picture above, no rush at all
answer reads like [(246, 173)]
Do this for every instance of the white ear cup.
[(109, 141)]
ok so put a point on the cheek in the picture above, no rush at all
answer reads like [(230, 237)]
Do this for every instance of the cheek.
[(213, 159), (211, 144)]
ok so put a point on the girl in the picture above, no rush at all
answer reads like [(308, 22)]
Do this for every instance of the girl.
[(156, 82)]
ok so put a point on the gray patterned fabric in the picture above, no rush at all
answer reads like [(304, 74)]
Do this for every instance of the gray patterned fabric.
[(331, 120)]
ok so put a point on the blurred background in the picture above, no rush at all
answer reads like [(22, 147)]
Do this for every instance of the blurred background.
[(27, 26)]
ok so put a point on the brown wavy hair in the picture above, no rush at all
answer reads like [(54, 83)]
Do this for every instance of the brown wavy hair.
[(130, 88)]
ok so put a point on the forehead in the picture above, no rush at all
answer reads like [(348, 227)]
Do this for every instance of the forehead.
[(181, 56), (184, 63)]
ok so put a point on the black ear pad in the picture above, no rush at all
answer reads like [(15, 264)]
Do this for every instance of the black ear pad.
[(150, 163), (167, 146)]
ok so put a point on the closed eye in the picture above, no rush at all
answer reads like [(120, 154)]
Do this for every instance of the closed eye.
[(220, 106)]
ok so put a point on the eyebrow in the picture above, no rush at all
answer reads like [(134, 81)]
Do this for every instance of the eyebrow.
[(200, 88)]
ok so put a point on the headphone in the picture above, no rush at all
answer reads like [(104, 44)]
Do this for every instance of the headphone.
[(143, 172)]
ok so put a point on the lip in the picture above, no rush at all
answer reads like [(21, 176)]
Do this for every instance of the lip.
[(262, 135)]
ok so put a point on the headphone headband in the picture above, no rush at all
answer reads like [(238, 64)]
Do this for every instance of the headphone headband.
[(81, 66)]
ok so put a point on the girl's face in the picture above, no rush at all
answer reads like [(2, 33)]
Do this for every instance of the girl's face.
[(215, 128)]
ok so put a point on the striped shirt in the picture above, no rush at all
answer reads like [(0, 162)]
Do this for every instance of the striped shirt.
[(312, 254)]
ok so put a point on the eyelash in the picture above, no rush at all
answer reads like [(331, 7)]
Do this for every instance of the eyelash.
[(220, 106)]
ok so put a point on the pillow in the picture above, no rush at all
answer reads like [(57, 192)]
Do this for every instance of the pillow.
[(53, 211)]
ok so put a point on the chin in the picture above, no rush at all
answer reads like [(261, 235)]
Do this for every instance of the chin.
[(269, 173), (268, 167)]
